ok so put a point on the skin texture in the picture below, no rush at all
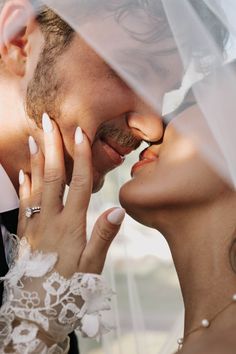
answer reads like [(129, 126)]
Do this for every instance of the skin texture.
[(190, 218), (88, 93), (181, 196), (84, 95), (162, 182)]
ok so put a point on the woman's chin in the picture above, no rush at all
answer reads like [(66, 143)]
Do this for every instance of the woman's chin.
[(134, 204)]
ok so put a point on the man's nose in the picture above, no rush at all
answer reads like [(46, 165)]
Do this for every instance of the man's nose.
[(146, 125)]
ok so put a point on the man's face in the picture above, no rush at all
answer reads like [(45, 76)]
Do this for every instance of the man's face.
[(79, 88)]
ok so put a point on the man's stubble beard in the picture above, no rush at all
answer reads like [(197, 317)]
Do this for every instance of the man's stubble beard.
[(44, 90), (45, 93)]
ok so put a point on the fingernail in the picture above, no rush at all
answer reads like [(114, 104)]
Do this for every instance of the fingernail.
[(116, 216), (79, 137), (47, 123), (33, 146), (21, 177)]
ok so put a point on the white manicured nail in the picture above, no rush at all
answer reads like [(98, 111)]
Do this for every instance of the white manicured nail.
[(33, 146), (79, 137), (116, 216), (47, 123), (21, 177)]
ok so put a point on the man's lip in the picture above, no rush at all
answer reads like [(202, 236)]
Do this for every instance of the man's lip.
[(121, 150), (114, 155), (105, 157)]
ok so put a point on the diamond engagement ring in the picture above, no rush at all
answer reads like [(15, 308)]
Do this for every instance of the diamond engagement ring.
[(30, 211)]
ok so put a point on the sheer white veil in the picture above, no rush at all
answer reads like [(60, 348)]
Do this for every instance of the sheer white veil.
[(158, 46), (173, 54), (164, 49)]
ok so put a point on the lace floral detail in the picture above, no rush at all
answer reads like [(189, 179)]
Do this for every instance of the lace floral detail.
[(39, 302), (11, 245)]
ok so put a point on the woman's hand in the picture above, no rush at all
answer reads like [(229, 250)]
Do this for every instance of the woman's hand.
[(47, 293), (59, 228)]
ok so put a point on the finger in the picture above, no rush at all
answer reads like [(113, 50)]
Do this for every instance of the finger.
[(54, 170), (105, 229), (37, 170), (25, 189), (81, 183), (24, 195)]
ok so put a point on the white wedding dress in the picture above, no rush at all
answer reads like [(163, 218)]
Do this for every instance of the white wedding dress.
[(41, 307)]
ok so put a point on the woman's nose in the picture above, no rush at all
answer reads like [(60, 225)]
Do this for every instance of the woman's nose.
[(147, 126)]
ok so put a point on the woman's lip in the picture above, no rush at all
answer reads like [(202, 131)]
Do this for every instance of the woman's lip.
[(140, 163), (147, 154)]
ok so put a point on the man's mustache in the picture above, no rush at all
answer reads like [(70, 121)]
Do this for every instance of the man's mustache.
[(120, 136)]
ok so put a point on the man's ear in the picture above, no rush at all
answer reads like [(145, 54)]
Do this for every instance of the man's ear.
[(16, 23)]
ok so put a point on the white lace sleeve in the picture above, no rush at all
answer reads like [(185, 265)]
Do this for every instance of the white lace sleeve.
[(41, 307)]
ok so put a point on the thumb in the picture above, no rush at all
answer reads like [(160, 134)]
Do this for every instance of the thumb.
[(104, 231)]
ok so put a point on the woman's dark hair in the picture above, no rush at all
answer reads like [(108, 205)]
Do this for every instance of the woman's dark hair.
[(159, 29), (58, 33)]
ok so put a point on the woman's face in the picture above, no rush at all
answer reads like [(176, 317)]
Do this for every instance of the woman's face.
[(170, 176)]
